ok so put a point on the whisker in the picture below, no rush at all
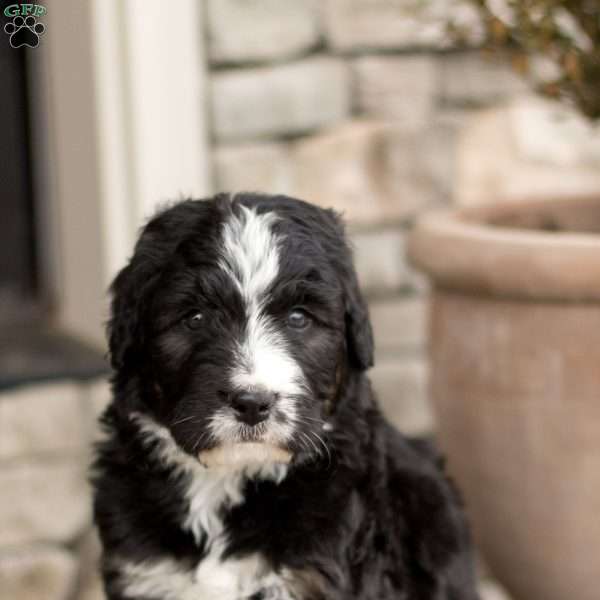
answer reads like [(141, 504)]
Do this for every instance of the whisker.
[(306, 422), (313, 419), (304, 445), (183, 420), (324, 446), (312, 443), (205, 435)]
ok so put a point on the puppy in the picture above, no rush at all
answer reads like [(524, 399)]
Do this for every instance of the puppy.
[(246, 457)]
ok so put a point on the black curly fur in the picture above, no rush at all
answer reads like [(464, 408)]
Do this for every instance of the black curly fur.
[(373, 518)]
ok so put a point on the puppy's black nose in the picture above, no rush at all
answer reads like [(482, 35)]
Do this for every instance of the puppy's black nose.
[(252, 407)]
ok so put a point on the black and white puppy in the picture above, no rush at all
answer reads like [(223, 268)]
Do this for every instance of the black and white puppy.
[(246, 457)]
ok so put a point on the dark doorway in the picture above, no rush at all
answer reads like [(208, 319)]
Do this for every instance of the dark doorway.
[(18, 286), (31, 348)]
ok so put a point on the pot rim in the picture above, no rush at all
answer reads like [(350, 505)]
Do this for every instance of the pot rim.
[(460, 249)]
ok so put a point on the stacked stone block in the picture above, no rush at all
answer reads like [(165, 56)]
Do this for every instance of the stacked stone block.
[(47, 549)]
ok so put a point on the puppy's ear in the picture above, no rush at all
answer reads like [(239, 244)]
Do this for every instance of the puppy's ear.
[(359, 334), (128, 291), (358, 325), (125, 331), (124, 327)]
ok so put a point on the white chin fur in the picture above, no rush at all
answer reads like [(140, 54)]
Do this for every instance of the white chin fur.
[(239, 455)]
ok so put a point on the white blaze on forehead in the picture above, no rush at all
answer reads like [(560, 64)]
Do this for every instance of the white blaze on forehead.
[(251, 259), (251, 253)]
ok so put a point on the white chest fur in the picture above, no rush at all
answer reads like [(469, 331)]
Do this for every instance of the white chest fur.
[(212, 580), (231, 579), (208, 492)]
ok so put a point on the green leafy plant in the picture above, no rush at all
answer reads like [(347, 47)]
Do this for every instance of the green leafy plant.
[(564, 33)]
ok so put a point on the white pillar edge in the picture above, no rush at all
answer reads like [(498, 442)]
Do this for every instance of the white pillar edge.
[(167, 79)]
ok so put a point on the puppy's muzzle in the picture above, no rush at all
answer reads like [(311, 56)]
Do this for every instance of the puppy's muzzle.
[(252, 406)]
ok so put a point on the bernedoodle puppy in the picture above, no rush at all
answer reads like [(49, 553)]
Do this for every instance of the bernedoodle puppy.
[(245, 455)]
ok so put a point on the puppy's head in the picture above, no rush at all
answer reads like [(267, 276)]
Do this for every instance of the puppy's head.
[(237, 324)]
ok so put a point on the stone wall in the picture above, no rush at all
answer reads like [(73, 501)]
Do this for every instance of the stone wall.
[(357, 105), (47, 547)]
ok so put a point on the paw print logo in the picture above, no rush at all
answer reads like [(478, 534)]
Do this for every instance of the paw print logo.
[(24, 31)]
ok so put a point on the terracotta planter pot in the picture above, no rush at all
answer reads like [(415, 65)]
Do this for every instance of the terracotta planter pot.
[(515, 350)]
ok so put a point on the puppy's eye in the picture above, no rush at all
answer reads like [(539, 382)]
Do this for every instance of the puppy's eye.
[(194, 321), (298, 319)]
